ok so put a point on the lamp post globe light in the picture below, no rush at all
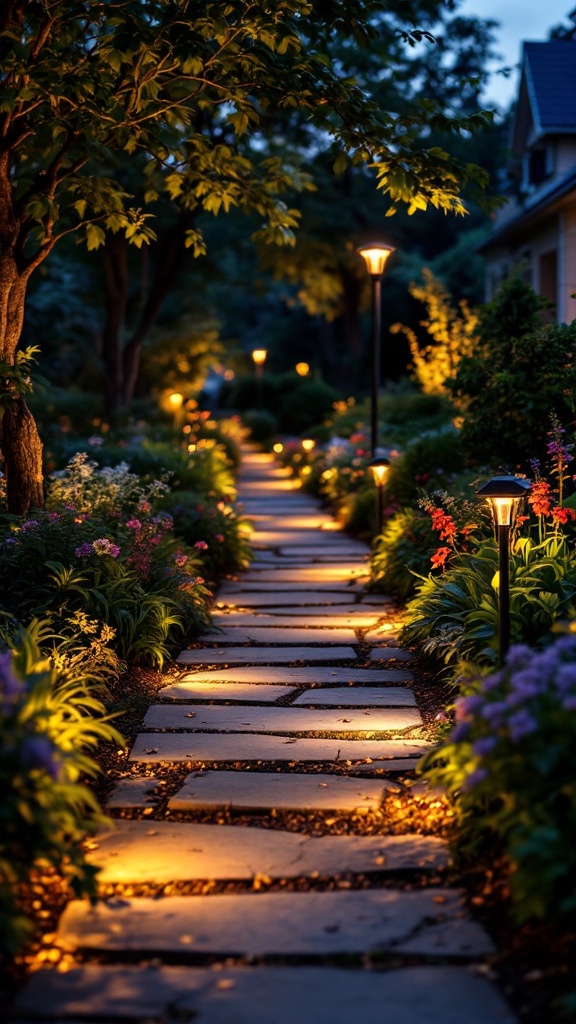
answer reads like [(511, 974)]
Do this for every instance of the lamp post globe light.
[(259, 357), (504, 494), (379, 468), (375, 255)]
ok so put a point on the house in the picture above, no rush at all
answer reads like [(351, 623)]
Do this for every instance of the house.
[(537, 227)]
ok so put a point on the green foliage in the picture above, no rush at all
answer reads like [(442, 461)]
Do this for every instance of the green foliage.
[(129, 573), (455, 616), (187, 88), (402, 550), (262, 425), (207, 469), (451, 335), (200, 521), (507, 406), (297, 403), (428, 462), (508, 765), (50, 723)]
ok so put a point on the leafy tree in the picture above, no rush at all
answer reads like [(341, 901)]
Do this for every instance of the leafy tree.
[(520, 372), (187, 90)]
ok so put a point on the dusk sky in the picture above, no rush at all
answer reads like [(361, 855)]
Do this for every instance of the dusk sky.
[(520, 20)]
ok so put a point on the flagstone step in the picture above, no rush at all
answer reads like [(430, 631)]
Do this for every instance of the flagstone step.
[(392, 755), (429, 922), (240, 586), (262, 995), (313, 675), (134, 793), (289, 595), (264, 655), (278, 634), (341, 573), (263, 791), (259, 692), (329, 619), (304, 537), (164, 851), (358, 696), (199, 718)]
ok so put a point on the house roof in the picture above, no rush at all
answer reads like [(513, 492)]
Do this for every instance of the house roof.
[(532, 209), (549, 70)]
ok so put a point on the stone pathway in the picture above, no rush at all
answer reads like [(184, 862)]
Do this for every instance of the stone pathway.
[(218, 915)]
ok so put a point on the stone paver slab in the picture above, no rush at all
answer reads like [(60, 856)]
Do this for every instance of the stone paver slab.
[(279, 635), (200, 717), (358, 696), (266, 995), (215, 747), (313, 675), (310, 539), (164, 851), (276, 924), (350, 589), (260, 791), (330, 619), (134, 793), (288, 599), (261, 693), (385, 653), (325, 550), (341, 573), (264, 655)]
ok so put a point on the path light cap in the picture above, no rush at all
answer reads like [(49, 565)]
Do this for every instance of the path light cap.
[(379, 468), (504, 494), (375, 255), (259, 355)]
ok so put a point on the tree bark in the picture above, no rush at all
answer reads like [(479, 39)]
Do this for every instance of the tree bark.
[(116, 292), (169, 263), (20, 443)]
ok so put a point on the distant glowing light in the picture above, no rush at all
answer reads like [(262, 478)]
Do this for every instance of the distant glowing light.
[(192, 448), (308, 444), (302, 369), (175, 399), (278, 448), (228, 374), (259, 356)]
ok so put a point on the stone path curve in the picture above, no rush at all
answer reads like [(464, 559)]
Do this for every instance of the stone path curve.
[(297, 700)]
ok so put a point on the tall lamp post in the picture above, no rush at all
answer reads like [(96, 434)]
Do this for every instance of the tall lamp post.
[(375, 256), (259, 357), (504, 494), (379, 468)]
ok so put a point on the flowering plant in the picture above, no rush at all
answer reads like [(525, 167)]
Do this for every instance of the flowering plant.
[(50, 722), (509, 765)]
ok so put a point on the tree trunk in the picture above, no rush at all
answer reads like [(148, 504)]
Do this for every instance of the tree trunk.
[(116, 292), (19, 441), (169, 263)]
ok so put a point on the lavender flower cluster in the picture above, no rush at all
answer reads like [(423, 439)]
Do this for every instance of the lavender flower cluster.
[(512, 703), (32, 750)]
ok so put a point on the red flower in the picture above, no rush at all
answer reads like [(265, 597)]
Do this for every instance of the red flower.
[(442, 523), (540, 498), (439, 557), (562, 515)]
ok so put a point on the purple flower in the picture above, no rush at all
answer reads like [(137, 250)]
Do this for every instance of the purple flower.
[(520, 724), (103, 546), (485, 745), (569, 703), (29, 525), (565, 678), (474, 779), (38, 752), (466, 706), (84, 550), (518, 656), (10, 686), (460, 732), (494, 713)]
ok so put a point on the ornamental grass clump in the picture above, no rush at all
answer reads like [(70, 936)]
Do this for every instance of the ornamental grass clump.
[(508, 764), (51, 722)]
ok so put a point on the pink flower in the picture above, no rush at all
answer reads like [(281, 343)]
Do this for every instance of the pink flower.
[(134, 524), (181, 560), (144, 507), (103, 546), (219, 537), (201, 545)]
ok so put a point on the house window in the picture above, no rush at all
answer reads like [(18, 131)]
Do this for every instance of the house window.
[(538, 165), (548, 282)]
